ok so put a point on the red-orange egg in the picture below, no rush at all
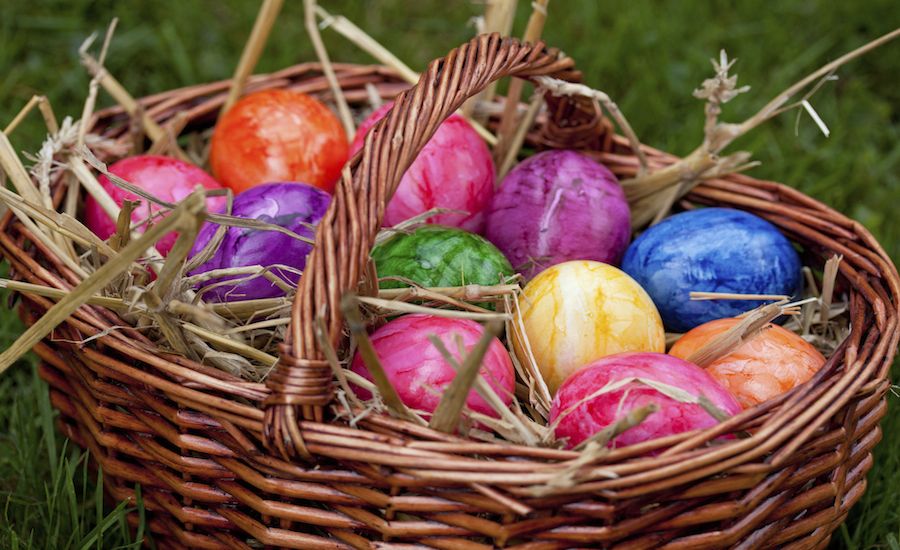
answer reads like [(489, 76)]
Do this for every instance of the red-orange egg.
[(769, 364), (278, 135)]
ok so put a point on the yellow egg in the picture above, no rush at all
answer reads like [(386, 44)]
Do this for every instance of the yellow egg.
[(577, 312)]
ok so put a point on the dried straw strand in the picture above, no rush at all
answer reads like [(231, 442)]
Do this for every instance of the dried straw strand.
[(312, 28), (701, 296), (498, 17), (46, 110), (829, 277), (508, 120), (191, 206), (732, 338), (447, 414), (265, 20), (118, 92)]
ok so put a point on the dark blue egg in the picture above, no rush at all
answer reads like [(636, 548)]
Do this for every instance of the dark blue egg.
[(711, 250)]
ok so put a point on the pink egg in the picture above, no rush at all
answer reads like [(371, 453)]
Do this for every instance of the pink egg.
[(453, 171), (580, 416), (418, 371), (165, 178)]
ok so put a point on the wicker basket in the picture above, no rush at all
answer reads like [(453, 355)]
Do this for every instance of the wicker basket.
[(228, 463)]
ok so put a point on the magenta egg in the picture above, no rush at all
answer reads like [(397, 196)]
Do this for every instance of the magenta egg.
[(165, 178), (454, 171), (419, 372), (558, 206), (581, 409)]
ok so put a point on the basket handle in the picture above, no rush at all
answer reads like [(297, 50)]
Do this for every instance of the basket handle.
[(301, 383)]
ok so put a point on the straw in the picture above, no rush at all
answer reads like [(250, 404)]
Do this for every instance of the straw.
[(508, 120), (447, 414), (498, 17), (265, 20), (725, 343), (309, 10), (46, 110), (190, 207), (350, 309)]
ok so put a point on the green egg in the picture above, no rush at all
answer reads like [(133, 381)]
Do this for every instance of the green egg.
[(438, 256)]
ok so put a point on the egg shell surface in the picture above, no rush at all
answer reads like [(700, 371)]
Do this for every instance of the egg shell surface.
[(773, 362), (580, 416), (278, 135), (167, 179), (294, 206), (418, 371), (557, 206), (437, 256), (454, 171), (711, 250), (577, 312)]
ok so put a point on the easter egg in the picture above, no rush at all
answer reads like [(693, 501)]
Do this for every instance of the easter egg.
[(436, 256), (294, 206), (773, 362), (558, 206), (167, 179), (577, 312), (418, 371), (454, 171), (711, 250), (278, 135), (581, 409)]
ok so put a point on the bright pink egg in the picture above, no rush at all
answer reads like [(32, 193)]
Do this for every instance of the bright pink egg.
[(165, 178), (580, 417), (418, 371), (453, 171)]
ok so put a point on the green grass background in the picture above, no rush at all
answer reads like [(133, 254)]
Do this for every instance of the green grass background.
[(647, 55)]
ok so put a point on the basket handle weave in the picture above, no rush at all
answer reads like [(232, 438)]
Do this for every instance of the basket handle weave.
[(301, 383)]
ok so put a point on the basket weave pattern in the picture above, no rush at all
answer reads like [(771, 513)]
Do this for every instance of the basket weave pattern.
[(221, 460)]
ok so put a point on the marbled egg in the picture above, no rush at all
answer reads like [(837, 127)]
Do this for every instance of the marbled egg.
[(558, 206), (454, 171), (165, 178), (579, 311), (711, 250), (578, 415), (418, 371), (437, 256), (295, 206), (769, 364)]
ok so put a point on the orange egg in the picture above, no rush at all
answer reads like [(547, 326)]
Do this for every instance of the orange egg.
[(769, 364), (278, 136)]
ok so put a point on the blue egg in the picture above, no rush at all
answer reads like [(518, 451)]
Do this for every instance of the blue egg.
[(711, 250)]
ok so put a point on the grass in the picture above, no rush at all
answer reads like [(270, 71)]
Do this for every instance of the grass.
[(647, 55)]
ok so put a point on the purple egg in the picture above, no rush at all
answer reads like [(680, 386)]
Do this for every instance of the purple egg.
[(558, 206), (294, 206)]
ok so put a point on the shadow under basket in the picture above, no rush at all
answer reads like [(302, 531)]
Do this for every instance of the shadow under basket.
[(227, 463)]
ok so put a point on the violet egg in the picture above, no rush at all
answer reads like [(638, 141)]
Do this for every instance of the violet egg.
[(293, 206), (558, 206)]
